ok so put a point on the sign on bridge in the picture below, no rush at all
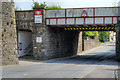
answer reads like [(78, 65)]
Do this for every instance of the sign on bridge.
[(82, 16), (38, 16), (84, 13)]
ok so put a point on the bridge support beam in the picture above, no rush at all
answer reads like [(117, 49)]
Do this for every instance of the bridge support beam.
[(118, 42)]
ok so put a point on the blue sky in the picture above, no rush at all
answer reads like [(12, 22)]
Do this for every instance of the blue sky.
[(26, 4)]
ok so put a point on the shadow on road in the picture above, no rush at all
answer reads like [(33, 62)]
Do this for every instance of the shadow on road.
[(83, 59), (100, 56), (87, 59)]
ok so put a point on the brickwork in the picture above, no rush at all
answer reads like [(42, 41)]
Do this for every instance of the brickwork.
[(9, 37)]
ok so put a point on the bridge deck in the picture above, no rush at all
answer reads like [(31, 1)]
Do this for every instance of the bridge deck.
[(83, 16), (110, 27)]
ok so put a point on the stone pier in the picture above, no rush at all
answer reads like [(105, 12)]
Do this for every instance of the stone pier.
[(60, 43), (118, 38), (118, 42)]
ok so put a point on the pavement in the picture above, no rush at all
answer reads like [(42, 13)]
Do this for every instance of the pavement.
[(95, 63)]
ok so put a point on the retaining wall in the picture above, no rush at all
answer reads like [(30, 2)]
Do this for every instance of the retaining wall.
[(9, 36)]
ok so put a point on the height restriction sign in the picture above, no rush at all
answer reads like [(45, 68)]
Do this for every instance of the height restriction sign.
[(38, 16)]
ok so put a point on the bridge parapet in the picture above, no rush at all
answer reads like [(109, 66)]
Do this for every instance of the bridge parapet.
[(83, 16)]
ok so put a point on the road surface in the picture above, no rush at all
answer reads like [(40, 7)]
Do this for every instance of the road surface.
[(95, 63)]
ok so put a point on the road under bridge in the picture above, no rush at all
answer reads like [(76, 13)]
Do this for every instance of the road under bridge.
[(55, 32)]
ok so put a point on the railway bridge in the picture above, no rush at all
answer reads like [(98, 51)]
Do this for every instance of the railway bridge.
[(56, 32), (75, 20), (53, 33)]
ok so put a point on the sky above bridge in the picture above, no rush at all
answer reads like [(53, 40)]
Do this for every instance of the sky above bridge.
[(26, 4)]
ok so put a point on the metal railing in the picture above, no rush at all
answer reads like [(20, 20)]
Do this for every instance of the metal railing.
[(29, 48)]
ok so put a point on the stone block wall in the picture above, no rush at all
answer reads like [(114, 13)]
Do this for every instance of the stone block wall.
[(60, 43), (112, 36), (118, 37), (89, 44), (0, 33), (25, 22), (39, 47), (9, 37), (118, 42), (56, 42), (80, 43)]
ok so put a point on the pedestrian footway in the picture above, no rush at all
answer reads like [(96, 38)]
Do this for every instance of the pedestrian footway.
[(25, 43)]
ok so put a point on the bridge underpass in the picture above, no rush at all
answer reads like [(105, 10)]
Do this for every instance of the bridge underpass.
[(58, 35), (77, 20), (64, 43), (95, 63), (80, 66)]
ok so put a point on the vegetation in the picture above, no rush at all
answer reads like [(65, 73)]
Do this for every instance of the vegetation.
[(37, 5), (102, 35), (90, 34), (53, 7), (44, 5)]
